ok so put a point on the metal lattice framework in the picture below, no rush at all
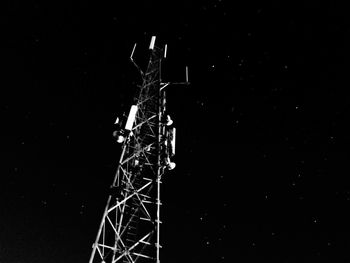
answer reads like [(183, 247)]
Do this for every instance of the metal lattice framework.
[(130, 226)]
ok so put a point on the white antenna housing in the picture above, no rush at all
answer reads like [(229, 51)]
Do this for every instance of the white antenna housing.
[(165, 50), (153, 40), (186, 73), (131, 118), (173, 141)]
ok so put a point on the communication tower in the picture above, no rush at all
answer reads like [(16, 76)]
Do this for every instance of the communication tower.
[(130, 227)]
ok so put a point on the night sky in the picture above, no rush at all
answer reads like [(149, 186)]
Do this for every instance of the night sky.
[(263, 130)]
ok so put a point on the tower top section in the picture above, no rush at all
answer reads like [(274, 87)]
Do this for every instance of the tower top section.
[(158, 53)]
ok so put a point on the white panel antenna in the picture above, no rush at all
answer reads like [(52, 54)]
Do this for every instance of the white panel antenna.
[(131, 118), (186, 74), (173, 141), (165, 50), (153, 40)]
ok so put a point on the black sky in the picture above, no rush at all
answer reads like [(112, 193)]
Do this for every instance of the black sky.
[(263, 129)]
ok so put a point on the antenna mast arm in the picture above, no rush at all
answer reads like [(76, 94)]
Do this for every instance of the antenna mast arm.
[(132, 60)]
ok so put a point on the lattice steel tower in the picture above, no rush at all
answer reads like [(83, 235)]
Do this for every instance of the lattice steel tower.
[(130, 226)]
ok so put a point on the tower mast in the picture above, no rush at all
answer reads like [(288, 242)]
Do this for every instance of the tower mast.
[(130, 227)]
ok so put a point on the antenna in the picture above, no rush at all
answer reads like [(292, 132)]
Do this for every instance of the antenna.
[(165, 50), (131, 118), (132, 59), (187, 75), (153, 40), (173, 139), (132, 52)]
